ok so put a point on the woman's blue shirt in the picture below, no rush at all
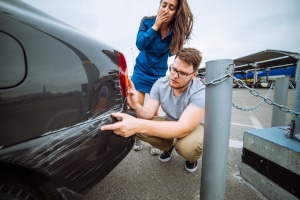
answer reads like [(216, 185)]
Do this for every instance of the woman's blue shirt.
[(152, 61)]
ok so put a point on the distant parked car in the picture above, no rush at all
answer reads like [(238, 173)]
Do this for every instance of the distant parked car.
[(57, 88), (250, 84), (263, 84), (235, 85)]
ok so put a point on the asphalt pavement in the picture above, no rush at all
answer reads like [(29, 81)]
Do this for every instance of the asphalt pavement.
[(142, 176)]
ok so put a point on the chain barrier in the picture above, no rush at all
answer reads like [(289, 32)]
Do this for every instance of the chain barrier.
[(292, 86), (253, 92), (256, 106)]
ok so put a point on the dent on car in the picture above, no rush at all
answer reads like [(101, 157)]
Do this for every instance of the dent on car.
[(58, 86)]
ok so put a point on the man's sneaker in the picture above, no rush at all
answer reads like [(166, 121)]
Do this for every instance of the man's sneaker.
[(154, 151), (191, 166), (138, 145), (166, 156)]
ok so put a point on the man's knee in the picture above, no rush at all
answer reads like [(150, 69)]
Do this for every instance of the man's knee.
[(190, 151)]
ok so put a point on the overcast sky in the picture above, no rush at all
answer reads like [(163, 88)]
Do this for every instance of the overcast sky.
[(222, 30)]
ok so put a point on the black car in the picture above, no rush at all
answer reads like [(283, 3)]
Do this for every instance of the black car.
[(263, 84), (58, 86)]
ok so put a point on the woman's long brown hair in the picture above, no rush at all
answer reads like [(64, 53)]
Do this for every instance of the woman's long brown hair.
[(182, 26)]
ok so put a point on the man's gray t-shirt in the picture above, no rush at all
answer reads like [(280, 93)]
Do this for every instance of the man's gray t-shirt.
[(174, 106)]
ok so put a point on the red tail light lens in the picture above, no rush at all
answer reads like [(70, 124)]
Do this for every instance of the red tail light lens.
[(123, 74)]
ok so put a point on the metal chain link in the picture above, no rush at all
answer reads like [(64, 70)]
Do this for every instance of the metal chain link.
[(292, 86), (256, 106), (253, 92), (216, 81)]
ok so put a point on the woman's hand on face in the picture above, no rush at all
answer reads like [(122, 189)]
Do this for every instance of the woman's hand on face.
[(161, 17)]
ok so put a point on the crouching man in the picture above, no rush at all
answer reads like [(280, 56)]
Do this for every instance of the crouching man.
[(182, 97)]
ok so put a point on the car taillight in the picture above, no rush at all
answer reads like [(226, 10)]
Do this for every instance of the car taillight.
[(123, 74)]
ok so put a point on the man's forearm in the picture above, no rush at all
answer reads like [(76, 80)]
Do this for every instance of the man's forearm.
[(142, 112), (163, 129)]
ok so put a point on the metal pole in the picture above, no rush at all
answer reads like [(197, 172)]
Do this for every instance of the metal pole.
[(254, 76), (267, 74), (218, 104), (280, 97), (296, 132)]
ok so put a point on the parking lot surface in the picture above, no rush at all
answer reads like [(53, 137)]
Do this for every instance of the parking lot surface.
[(142, 176)]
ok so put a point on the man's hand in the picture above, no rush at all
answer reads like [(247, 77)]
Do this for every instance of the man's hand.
[(126, 126)]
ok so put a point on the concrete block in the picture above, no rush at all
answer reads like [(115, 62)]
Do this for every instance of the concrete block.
[(268, 188), (274, 145)]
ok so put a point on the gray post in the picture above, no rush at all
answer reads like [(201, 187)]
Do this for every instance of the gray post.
[(280, 97), (254, 76), (297, 103), (267, 74), (218, 104)]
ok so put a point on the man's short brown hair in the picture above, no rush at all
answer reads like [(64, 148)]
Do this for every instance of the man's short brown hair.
[(190, 55)]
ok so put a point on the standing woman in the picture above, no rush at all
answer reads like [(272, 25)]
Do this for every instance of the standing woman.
[(158, 38)]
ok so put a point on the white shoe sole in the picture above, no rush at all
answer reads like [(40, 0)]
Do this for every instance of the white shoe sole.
[(155, 151), (138, 145), (165, 160), (190, 170), (137, 148)]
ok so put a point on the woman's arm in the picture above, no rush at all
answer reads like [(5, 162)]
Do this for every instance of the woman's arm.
[(145, 34)]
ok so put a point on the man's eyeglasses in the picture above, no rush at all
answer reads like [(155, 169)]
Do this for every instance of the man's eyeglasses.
[(179, 73)]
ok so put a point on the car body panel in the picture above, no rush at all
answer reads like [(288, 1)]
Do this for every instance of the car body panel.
[(71, 156), (58, 86)]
